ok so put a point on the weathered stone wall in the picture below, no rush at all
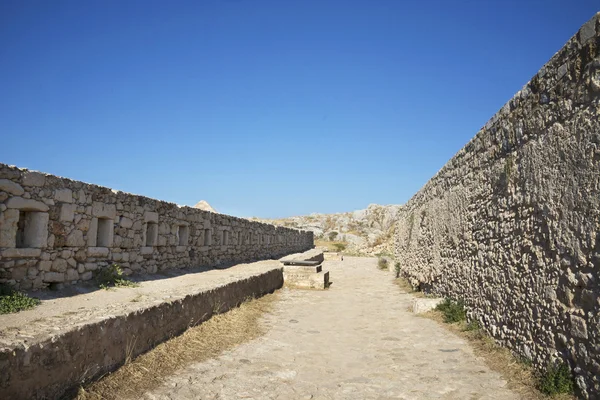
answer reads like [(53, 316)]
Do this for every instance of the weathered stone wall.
[(511, 224), (59, 231)]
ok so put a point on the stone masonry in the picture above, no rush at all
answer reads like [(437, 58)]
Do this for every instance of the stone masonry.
[(58, 231), (511, 223)]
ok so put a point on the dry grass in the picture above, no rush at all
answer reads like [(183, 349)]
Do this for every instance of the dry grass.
[(329, 245), (519, 376), (207, 340)]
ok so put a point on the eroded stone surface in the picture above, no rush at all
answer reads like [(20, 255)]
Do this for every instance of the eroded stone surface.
[(510, 224)]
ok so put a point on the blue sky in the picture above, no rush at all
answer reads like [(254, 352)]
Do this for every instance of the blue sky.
[(264, 108)]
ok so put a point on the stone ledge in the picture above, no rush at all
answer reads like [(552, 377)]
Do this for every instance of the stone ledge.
[(21, 252), (101, 335)]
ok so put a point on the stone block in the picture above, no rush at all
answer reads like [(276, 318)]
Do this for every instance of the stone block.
[(11, 187), (21, 203), (150, 216), (33, 178), (91, 266), (18, 273), (86, 276), (306, 277), (147, 250), (63, 195), (72, 275), (75, 239), (59, 265), (125, 222), (21, 253), (102, 210), (8, 228), (54, 277), (423, 305), (578, 327), (98, 251), (67, 212), (44, 265)]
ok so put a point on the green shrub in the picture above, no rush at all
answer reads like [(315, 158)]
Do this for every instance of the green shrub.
[(382, 263), (113, 276), (557, 379), (339, 246), (453, 311), (12, 301), (397, 269)]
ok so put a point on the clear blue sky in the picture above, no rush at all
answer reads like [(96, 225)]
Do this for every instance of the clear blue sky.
[(264, 108)]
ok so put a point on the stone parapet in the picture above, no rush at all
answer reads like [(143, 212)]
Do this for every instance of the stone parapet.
[(85, 228)]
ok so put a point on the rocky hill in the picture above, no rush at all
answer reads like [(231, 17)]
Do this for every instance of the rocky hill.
[(369, 231), (203, 205)]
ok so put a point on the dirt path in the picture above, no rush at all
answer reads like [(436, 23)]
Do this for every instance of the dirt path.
[(355, 341)]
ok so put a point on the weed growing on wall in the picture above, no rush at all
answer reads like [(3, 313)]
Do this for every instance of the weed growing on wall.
[(453, 311), (12, 301), (473, 326), (556, 379), (113, 277)]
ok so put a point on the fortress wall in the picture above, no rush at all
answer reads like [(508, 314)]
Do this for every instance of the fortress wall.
[(511, 224), (58, 231)]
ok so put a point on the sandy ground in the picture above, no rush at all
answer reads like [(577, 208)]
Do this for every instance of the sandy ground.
[(354, 341)]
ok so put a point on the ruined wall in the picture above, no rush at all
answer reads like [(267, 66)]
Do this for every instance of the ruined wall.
[(55, 230), (511, 223)]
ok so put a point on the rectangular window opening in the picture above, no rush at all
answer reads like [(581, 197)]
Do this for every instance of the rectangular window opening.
[(207, 237), (183, 233), (31, 229), (225, 239), (103, 237), (151, 233)]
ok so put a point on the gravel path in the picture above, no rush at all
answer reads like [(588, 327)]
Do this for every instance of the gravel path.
[(354, 341)]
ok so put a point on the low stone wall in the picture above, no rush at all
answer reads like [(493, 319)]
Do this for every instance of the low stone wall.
[(60, 362), (55, 230), (511, 224)]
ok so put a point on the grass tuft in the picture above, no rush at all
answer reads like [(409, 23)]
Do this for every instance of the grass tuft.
[(12, 301), (453, 311), (556, 379), (113, 277), (383, 263)]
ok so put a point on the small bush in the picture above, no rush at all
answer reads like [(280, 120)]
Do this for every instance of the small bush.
[(12, 301), (453, 311), (339, 246), (397, 269), (557, 379), (113, 276), (382, 263)]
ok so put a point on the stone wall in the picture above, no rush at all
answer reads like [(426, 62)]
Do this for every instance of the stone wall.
[(59, 231), (511, 223)]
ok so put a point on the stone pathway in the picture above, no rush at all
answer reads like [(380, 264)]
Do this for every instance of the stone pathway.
[(354, 341)]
